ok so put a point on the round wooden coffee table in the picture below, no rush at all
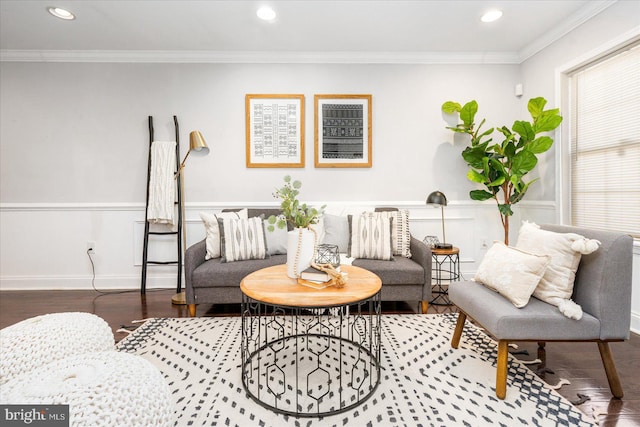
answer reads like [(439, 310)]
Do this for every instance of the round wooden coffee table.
[(310, 352)]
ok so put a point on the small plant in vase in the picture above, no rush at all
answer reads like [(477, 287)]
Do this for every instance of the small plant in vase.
[(294, 213), (301, 241)]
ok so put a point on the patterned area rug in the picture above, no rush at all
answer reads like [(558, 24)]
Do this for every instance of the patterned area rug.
[(424, 382)]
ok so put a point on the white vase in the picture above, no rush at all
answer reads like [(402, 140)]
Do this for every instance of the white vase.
[(306, 251)]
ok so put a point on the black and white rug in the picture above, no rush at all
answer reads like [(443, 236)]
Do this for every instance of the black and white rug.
[(424, 382)]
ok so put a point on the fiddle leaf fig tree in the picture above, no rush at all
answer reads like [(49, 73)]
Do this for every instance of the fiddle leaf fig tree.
[(501, 167)]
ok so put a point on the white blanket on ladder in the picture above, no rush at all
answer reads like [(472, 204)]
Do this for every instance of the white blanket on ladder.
[(162, 184)]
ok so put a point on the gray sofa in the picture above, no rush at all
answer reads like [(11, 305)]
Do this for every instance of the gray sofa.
[(215, 282)]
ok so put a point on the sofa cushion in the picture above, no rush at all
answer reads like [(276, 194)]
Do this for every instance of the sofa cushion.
[(398, 271), (215, 273), (538, 319)]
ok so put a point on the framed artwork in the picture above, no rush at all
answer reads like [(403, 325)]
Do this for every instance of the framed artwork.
[(275, 131), (342, 131)]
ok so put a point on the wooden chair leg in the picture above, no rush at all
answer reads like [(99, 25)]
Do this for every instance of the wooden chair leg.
[(610, 369), (424, 305), (192, 310), (455, 339), (502, 368)]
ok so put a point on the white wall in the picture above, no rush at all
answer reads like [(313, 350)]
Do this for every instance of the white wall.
[(541, 76), (74, 146), (539, 73), (77, 132)]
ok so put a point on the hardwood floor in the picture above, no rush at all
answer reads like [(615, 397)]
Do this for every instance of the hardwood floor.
[(579, 363)]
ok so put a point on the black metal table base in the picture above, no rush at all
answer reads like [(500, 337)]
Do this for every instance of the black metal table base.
[(446, 269), (311, 362), (441, 296)]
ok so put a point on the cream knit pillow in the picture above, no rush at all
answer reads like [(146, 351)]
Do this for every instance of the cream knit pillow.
[(565, 250), (511, 272)]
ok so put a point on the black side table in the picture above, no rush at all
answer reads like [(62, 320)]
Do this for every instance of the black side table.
[(446, 269)]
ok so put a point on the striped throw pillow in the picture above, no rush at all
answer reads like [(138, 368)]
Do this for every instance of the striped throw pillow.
[(242, 239), (400, 233), (212, 230), (370, 237)]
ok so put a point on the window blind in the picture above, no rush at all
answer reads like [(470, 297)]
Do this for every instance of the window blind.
[(605, 143)]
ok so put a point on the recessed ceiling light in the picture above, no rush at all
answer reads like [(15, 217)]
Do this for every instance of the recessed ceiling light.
[(266, 13), (492, 15), (61, 13)]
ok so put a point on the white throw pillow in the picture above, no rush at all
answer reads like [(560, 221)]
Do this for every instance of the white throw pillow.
[(370, 237), (276, 239), (242, 239), (336, 231), (212, 230), (400, 233), (565, 250), (511, 272)]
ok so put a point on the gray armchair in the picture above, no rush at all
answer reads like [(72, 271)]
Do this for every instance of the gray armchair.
[(602, 287)]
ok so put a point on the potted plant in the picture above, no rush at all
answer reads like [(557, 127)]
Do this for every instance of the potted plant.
[(301, 241), (294, 213), (501, 167)]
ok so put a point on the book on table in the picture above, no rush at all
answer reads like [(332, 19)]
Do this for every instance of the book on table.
[(315, 275), (314, 284)]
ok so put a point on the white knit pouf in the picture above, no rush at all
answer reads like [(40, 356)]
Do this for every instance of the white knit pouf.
[(107, 389), (34, 342)]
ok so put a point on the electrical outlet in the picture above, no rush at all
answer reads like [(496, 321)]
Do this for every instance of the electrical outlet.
[(483, 243), (91, 246)]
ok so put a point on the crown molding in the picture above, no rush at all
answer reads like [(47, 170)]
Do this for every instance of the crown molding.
[(223, 57), (592, 9)]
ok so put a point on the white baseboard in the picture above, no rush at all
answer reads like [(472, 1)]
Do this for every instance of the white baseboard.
[(635, 322)]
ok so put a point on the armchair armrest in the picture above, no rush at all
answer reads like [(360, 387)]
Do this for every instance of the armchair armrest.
[(193, 257), (421, 254)]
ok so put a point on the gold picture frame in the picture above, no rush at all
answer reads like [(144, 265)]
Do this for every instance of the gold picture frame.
[(342, 131), (274, 131)]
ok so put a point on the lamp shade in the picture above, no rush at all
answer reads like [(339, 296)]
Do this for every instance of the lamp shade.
[(197, 143), (437, 198)]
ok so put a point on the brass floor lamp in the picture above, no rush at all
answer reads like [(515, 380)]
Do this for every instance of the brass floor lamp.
[(198, 145)]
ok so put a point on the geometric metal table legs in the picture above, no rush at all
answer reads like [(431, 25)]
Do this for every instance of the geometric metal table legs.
[(311, 362), (446, 269)]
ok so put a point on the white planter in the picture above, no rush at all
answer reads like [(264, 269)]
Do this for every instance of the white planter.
[(306, 251)]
